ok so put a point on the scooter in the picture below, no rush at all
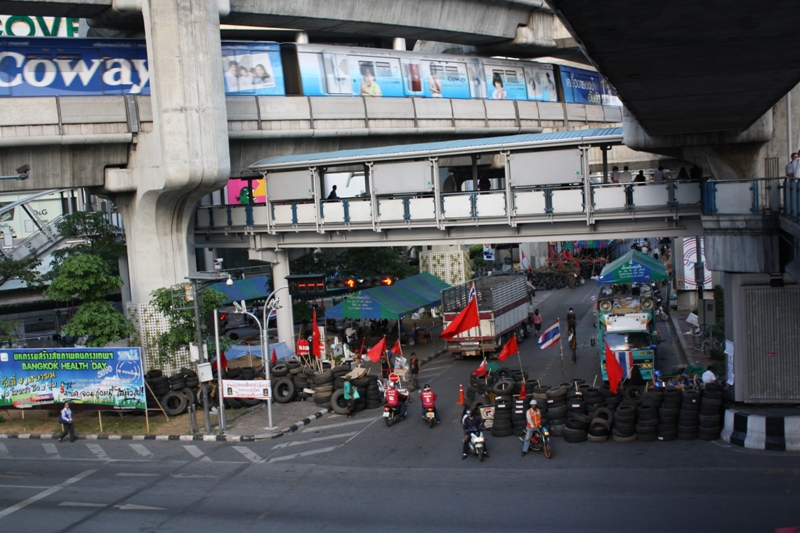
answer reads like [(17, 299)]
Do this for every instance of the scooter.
[(477, 443), (430, 417), (393, 414), (540, 441)]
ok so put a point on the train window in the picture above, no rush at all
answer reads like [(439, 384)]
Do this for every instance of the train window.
[(511, 76), (436, 69), (384, 69)]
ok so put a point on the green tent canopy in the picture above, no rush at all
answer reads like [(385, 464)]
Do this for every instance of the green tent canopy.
[(391, 302), (633, 267)]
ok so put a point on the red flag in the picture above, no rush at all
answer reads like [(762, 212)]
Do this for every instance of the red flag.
[(481, 370), (522, 393), (376, 351), (509, 349), (396, 349), (613, 370), (315, 334), (467, 319), (223, 362), (274, 358)]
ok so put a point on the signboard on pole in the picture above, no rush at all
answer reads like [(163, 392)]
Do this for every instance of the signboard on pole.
[(303, 348), (110, 378), (257, 389)]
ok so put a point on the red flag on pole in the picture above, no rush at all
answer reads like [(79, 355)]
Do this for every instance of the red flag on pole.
[(467, 319), (315, 334), (613, 370), (481, 370), (223, 361), (274, 358), (376, 351), (522, 393), (396, 349), (509, 349)]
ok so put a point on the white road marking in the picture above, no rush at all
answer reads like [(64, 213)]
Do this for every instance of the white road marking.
[(3, 451), (302, 454), (348, 441), (327, 437), (141, 450), (98, 451), (81, 504), (248, 453), (196, 452), (24, 486), (133, 474), (50, 448), (190, 476), (340, 424), (45, 494), (133, 507)]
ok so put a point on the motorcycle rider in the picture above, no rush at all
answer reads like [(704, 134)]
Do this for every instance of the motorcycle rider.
[(428, 398), (471, 423), (533, 423), (396, 400)]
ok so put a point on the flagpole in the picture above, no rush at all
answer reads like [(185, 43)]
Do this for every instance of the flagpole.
[(561, 347)]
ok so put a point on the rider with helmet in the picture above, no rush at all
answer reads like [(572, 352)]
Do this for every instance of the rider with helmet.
[(533, 424), (428, 398), (395, 399), (471, 423)]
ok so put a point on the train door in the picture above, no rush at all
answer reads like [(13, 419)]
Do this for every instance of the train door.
[(505, 83), (447, 79), (337, 78)]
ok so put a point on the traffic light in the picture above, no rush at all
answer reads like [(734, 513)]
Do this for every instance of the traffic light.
[(306, 285), (353, 283)]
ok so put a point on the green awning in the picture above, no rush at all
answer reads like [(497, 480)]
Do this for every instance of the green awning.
[(633, 267), (391, 302), (426, 285), (244, 289)]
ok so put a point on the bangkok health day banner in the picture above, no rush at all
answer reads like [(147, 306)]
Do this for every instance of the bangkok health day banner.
[(110, 378)]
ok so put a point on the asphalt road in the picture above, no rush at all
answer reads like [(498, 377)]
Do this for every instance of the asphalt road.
[(341, 474)]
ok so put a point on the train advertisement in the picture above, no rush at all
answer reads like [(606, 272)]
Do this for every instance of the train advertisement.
[(586, 87), (110, 378), (252, 69)]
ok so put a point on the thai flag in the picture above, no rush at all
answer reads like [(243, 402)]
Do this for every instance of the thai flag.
[(626, 363), (594, 297), (472, 293), (550, 336)]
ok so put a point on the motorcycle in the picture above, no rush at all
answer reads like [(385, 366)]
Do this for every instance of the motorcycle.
[(477, 443), (540, 441), (430, 417), (392, 415)]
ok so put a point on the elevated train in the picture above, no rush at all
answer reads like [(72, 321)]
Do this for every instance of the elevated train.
[(90, 67)]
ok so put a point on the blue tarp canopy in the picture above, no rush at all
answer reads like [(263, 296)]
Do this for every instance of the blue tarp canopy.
[(392, 302), (633, 267), (244, 289), (238, 350)]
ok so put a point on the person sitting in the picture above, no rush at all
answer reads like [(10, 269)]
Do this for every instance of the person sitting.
[(396, 400), (470, 423), (429, 401), (533, 424), (709, 376)]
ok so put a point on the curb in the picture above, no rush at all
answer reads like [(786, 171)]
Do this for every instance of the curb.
[(683, 351), (759, 432), (294, 427)]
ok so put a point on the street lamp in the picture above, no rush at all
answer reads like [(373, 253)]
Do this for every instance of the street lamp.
[(22, 173)]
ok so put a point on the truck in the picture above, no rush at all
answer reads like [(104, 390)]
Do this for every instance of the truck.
[(625, 318), (504, 310)]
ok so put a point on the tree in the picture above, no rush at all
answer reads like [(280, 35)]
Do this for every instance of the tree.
[(88, 278), (100, 238), (358, 262), (9, 335), (23, 269), (171, 302)]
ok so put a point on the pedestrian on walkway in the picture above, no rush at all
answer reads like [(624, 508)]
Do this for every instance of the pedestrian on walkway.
[(537, 322), (413, 367), (571, 320), (349, 397), (573, 345), (66, 420)]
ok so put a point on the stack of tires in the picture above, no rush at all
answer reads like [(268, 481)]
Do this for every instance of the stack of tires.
[(577, 427), (518, 417), (502, 427), (594, 400), (624, 427), (611, 399), (373, 398), (668, 415), (361, 386), (647, 424), (283, 388), (711, 412), (300, 377), (323, 388), (158, 386), (688, 418), (600, 426), (557, 410)]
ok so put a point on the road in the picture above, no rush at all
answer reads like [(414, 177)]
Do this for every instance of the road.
[(341, 474)]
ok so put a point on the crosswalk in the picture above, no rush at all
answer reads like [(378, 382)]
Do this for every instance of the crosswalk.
[(328, 434)]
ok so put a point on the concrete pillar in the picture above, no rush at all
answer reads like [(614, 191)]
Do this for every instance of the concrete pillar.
[(285, 317), (186, 154)]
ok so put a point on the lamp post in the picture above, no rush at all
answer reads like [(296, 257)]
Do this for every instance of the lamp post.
[(273, 306)]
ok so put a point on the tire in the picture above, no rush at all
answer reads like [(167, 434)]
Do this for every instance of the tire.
[(191, 397), (620, 438), (233, 403), (597, 438), (249, 402), (174, 403), (338, 404), (480, 456), (284, 390), (389, 421), (188, 372), (279, 370), (548, 451), (178, 385)]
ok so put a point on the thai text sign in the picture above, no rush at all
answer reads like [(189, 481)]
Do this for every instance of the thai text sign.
[(109, 377), (258, 389)]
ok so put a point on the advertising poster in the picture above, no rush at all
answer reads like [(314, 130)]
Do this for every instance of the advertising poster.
[(245, 192), (689, 261), (375, 77), (586, 87), (541, 83), (258, 389), (505, 83), (445, 80), (252, 69), (109, 378)]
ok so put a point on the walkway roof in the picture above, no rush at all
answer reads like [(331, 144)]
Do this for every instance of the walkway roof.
[(633, 267), (392, 302), (244, 289), (532, 141)]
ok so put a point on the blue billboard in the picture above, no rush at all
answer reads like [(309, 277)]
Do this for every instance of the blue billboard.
[(109, 378), (586, 87)]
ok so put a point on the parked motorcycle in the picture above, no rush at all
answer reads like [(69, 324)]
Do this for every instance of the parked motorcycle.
[(540, 441), (477, 443)]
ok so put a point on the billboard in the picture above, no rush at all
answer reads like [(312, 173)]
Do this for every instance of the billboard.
[(586, 87), (110, 378)]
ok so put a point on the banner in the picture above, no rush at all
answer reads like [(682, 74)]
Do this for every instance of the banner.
[(107, 377), (258, 389)]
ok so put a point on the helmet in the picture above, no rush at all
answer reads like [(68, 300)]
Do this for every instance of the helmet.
[(534, 403), (657, 373), (469, 412), (426, 387), (391, 384)]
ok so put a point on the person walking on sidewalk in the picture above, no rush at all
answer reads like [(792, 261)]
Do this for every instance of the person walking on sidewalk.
[(350, 398), (573, 345), (66, 420), (413, 367), (537, 322), (571, 320)]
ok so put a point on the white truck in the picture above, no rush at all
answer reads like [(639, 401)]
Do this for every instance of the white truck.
[(504, 310)]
